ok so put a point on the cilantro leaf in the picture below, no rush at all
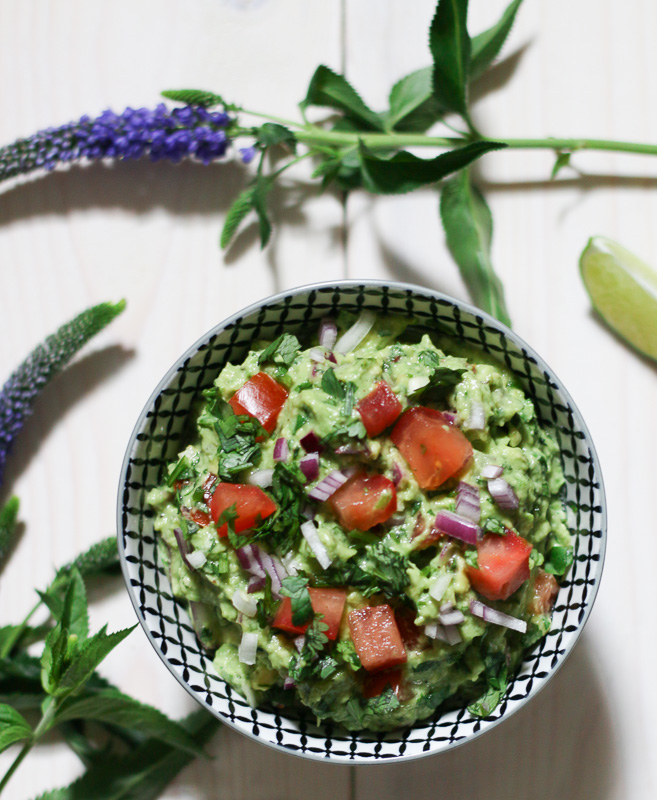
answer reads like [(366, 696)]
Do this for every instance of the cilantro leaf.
[(471, 557), (296, 588), (488, 702), (441, 381), (332, 385), (387, 701), (381, 571), (307, 664), (494, 525), (266, 608), (282, 529), (558, 560), (237, 436), (281, 351), (346, 649)]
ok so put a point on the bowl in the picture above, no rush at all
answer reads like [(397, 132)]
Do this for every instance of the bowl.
[(160, 433)]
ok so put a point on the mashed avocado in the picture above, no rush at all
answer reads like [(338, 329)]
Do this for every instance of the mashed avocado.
[(371, 533)]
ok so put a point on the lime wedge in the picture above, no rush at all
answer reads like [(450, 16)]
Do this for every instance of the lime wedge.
[(623, 290)]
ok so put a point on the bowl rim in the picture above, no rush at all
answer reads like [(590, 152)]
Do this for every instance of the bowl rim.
[(394, 286)]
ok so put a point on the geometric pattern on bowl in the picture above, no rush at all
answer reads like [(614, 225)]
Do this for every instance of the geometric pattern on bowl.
[(160, 433)]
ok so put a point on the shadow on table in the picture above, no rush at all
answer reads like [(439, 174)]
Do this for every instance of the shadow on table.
[(560, 746)]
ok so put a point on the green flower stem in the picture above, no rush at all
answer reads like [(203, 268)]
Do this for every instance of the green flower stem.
[(312, 135), (44, 724)]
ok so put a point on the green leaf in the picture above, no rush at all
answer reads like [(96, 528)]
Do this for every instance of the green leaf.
[(196, 97), (53, 658), (562, 160), (488, 702), (144, 773), (332, 385), (296, 588), (271, 134), (75, 615), (442, 379), (387, 701), (101, 558), (470, 557), (13, 727), (405, 172), (468, 228), (282, 350), (413, 107), (487, 45), (558, 560), (449, 43), (260, 193), (236, 213), (331, 90), (8, 517), (85, 660), (114, 708)]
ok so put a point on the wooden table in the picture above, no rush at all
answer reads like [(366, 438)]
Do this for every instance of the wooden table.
[(149, 234)]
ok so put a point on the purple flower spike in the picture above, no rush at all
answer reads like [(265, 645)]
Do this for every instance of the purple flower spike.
[(248, 154)]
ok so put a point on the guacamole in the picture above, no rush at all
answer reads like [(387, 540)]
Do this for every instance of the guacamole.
[(369, 527)]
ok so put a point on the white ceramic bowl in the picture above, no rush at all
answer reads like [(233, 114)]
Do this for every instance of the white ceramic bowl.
[(159, 435)]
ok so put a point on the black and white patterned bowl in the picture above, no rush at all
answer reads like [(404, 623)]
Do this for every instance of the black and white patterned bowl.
[(159, 435)]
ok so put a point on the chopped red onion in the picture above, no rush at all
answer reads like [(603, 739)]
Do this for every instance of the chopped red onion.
[(452, 634), (309, 465), (184, 547), (353, 449), (454, 617), (503, 494), (245, 604), (330, 357), (328, 333), (196, 559), (477, 419), (446, 607), (355, 335), (311, 444), (299, 642), (309, 511), (309, 532), (248, 648), (468, 503), (440, 586), (281, 450), (261, 478), (328, 485), (317, 354), (450, 416), (397, 474), (496, 617), (456, 526), (289, 683), (491, 471), (258, 563), (248, 560), (255, 584)]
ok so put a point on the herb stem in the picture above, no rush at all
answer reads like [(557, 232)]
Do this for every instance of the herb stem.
[(578, 144), (11, 640), (272, 118), (50, 710), (25, 749)]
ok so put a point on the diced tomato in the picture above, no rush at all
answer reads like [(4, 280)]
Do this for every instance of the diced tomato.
[(409, 631), (328, 602), (251, 505), (376, 683), (434, 449), (195, 515), (503, 565), (260, 397), (376, 638), (545, 593), (364, 501), (379, 409)]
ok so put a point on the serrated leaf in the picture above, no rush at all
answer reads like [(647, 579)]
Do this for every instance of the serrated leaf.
[(141, 775), (405, 172), (13, 727), (101, 558), (331, 90), (53, 658), (75, 616), (85, 660), (487, 45), (195, 97), (449, 43), (468, 228), (8, 517), (261, 191), (413, 107), (114, 708), (236, 213), (271, 134)]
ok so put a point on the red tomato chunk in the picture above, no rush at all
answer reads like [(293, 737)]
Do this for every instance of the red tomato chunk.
[(260, 397), (376, 638), (379, 409), (503, 565), (432, 448), (545, 593), (329, 602), (376, 683), (251, 505), (364, 501)]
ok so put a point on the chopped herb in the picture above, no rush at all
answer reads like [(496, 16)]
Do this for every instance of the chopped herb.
[(299, 422), (387, 701), (349, 396), (382, 570), (219, 565), (493, 525), (355, 712), (301, 386), (183, 471), (296, 588), (496, 676), (237, 437), (441, 382), (352, 430), (345, 648), (281, 351), (266, 607), (535, 558), (307, 665), (470, 556), (327, 666), (332, 385), (559, 559)]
